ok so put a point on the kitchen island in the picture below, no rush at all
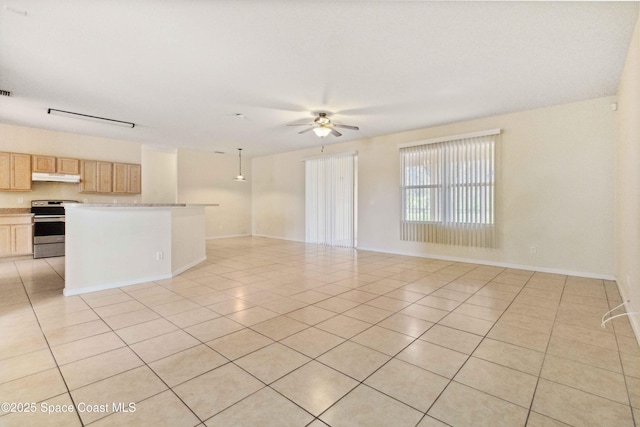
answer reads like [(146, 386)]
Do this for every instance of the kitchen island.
[(114, 245)]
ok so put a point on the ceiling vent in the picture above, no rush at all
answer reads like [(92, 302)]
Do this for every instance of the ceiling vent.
[(4, 92)]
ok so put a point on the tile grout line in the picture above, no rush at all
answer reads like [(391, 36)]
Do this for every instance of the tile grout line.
[(544, 357), (49, 348), (315, 359), (507, 307), (335, 314), (624, 375), (485, 336), (229, 361), (144, 363), (362, 383), (468, 356)]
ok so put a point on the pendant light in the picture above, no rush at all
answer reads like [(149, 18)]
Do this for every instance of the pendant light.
[(240, 177)]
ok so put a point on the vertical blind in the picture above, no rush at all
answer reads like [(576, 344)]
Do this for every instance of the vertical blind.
[(448, 191), (330, 200)]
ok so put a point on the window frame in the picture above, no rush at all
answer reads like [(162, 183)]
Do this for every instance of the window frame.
[(442, 207)]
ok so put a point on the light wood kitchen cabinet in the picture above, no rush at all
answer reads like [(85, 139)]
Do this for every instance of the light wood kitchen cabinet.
[(16, 235), (50, 164), (120, 178), (67, 166), (43, 164), (15, 172), (126, 178), (135, 179), (5, 240), (95, 177), (22, 239), (88, 176), (105, 174)]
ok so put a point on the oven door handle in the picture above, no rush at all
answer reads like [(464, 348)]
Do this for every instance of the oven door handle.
[(54, 219)]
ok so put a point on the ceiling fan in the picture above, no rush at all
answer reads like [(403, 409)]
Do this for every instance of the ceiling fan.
[(323, 126)]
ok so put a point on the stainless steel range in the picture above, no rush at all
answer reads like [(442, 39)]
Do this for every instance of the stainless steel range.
[(48, 227)]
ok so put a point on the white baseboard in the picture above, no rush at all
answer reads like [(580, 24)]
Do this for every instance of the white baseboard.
[(501, 264), (227, 237), (587, 274), (68, 292), (278, 238), (188, 266)]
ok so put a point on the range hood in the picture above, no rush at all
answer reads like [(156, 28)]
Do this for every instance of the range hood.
[(55, 177)]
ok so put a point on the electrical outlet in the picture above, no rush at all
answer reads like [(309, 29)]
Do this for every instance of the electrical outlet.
[(533, 250), (85, 200), (159, 256), (20, 199)]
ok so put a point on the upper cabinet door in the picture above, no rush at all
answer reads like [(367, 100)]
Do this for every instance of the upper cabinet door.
[(135, 178), (88, 176), (67, 166), (104, 177), (21, 172), (15, 171), (44, 164), (120, 178), (5, 171)]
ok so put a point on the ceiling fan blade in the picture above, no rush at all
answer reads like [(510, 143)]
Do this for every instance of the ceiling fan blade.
[(346, 127), (301, 124), (306, 130), (335, 132)]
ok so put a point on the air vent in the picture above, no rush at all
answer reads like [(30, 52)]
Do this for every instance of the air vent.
[(5, 93), (218, 152)]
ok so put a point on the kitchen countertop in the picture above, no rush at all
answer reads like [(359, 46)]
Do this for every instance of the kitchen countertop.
[(126, 205), (137, 205), (15, 212)]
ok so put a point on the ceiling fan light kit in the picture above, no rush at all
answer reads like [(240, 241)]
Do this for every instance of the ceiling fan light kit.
[(322, 131), (323, 126)]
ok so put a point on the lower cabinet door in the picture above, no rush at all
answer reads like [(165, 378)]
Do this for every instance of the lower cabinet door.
[(5, 240), (22, 239)]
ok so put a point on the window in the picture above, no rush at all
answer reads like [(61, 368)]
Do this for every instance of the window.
[(448, 190)]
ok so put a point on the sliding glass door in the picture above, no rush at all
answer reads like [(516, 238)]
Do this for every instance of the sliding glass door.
[(330, 192)]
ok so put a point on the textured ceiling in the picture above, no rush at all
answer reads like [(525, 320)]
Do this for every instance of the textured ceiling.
[(182, 70)]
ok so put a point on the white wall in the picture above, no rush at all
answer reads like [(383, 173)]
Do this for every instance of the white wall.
[(555, 191), (278, 196), (159, 175), (128, 238), (188, 245), (628, 181), (145, 243), (205, 177), (27, 140)]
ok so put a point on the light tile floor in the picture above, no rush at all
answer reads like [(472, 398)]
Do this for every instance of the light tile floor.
[(275, 333)]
